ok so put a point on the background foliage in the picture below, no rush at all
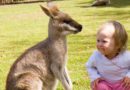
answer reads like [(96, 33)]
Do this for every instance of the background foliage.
[(24, 25)]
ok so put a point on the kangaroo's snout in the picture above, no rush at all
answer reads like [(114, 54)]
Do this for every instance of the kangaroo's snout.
[(80, 27)]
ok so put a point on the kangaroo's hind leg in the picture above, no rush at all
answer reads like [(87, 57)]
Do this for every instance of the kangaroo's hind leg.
[(28, 81)]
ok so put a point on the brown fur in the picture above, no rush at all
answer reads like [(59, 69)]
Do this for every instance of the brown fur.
[(101, 3), (39, 67)]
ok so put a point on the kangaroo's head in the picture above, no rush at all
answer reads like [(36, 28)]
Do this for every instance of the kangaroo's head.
[(60, 22)]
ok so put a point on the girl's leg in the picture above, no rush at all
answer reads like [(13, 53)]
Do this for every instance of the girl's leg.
[(119, 86), (103, 85)]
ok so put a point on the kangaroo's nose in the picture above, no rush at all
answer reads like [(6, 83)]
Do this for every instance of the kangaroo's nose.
[(80, 27)]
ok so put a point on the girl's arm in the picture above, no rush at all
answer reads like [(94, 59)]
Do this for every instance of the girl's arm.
[(127, 57), (126, 79), (91, 68), (92, 71)]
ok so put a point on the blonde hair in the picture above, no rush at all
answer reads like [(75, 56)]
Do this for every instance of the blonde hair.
[(120, 35)]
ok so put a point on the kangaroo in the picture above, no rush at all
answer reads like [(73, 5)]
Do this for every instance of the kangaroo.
[(41, 66), (101, 3)]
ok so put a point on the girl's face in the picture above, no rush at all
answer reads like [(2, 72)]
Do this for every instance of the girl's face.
[(105, 41)]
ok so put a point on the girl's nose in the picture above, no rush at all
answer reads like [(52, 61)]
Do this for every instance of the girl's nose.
[(100, 44)]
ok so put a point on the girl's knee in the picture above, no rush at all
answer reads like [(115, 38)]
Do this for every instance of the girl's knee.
[(102, 86)]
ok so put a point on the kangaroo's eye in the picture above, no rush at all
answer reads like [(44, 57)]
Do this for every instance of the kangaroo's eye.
[(66, 21)]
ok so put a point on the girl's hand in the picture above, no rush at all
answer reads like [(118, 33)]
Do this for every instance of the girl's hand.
[(95, 83), (126, 82)]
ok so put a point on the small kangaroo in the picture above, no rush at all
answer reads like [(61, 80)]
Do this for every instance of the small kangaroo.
[(41, 66), (101, 3)]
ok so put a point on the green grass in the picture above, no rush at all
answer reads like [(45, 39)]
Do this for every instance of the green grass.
[(24, 25)]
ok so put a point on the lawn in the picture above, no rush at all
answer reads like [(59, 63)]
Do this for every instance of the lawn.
[(24, 25)]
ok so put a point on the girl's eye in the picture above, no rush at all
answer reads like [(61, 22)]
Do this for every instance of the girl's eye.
[(104, 41), (98, 40)]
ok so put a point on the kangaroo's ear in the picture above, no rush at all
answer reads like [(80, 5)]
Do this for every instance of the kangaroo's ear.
[(51, 10), (47, 11)]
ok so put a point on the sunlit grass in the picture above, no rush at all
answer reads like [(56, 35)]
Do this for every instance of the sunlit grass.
[(24, 25)]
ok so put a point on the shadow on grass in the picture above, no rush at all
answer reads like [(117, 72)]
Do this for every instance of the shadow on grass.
[(120, 3), (114, 3), (110, 14), (25, 2), (85, 4)]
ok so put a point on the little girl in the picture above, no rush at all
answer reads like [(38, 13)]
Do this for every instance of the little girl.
[(109, 66)]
